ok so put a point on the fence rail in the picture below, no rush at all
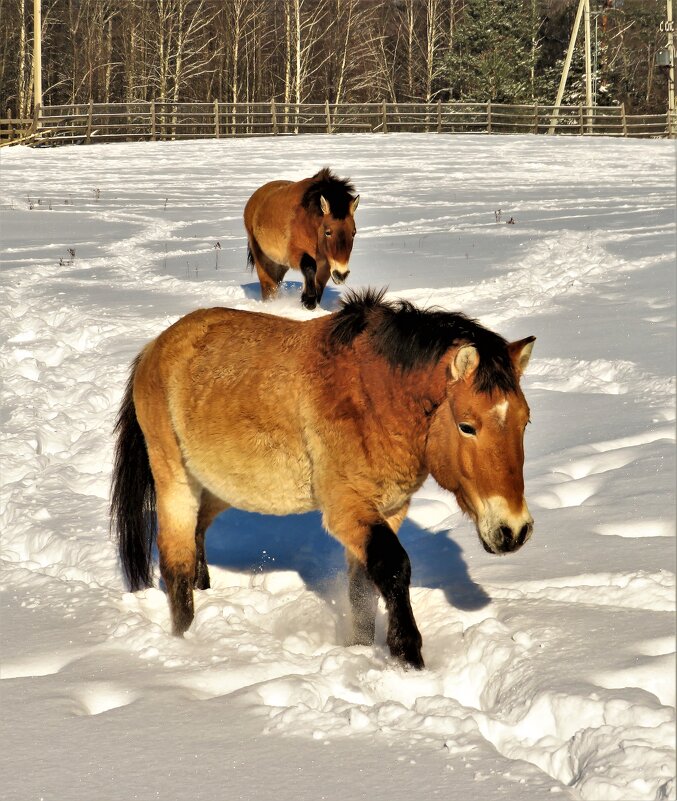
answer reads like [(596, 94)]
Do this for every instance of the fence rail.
[(98, 122)]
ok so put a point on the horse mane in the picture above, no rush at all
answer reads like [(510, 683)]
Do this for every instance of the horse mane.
[(409, 337), (337, 191)]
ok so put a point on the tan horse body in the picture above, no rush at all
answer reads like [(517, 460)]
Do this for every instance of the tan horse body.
[(304, 225), (278, 416)]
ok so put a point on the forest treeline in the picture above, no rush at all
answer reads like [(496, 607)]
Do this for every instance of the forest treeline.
[(296, 51)]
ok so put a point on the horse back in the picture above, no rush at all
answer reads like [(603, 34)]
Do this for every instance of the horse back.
[(231, 385)]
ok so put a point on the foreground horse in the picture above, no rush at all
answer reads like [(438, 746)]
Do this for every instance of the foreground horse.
[(347, 413), (308, 226)]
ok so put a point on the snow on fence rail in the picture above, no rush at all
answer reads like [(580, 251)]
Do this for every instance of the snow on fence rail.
[(105, 122)]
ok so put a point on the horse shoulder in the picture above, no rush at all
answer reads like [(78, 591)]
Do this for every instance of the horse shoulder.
[(360, 446)]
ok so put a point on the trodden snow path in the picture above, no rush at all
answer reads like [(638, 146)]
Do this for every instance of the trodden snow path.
[(549, 672)]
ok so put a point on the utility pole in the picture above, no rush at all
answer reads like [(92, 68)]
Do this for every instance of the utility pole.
[(588, 63), (567, 63), (37, 58), (671, 74)]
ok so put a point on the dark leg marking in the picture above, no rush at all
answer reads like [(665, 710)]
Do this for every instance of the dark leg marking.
[(308, 269), (390, 570), (363, 601), (201, 581), (180, 592), (321, 278)]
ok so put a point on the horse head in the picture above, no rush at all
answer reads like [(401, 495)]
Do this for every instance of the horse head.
[(335, 238), (476, 444)]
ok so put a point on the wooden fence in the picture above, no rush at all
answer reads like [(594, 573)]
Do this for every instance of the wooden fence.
[(97, 122)]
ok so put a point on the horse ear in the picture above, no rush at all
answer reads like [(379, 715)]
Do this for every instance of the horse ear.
[(464, 363), (324, 205), (354, 204), (520, 353)]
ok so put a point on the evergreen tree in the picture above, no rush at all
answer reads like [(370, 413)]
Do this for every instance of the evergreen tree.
[(492, 53)]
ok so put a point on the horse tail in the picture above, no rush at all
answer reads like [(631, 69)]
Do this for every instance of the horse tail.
[(133, 494), (250, 258)]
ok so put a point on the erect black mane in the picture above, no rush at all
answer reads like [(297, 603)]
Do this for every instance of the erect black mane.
[(409, 337), (338, 192)]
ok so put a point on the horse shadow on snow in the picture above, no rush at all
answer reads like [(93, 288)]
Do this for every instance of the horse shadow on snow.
[(260, 544), (290, 290)]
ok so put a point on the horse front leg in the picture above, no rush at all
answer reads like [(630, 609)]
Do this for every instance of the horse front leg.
[(374, 547), (389, 568), (362, 591), (321, 278), (308, 267), (363, 598)]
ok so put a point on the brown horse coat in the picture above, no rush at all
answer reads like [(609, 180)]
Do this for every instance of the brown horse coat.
[(347, 413), (305, 225)]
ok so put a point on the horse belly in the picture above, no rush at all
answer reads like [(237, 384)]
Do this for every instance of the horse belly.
[(260, 480)]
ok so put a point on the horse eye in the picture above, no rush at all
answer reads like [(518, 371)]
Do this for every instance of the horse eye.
[(467, 429), (327, 233)]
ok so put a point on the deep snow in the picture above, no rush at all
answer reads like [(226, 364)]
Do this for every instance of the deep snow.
[(550, 672)]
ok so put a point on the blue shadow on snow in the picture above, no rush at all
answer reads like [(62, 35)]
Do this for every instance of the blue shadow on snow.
[(258, 543)]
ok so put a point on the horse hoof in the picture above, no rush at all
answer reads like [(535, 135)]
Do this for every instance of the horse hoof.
[(309, 303), (410, 656)]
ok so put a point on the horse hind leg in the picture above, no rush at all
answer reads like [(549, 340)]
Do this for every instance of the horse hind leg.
[(177, 503), (210, 507), (270, 273)]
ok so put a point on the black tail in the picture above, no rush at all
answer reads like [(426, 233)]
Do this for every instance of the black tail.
[(133, 495), (250, 259)]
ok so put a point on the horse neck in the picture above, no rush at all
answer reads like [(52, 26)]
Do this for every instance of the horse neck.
[(406, 399)]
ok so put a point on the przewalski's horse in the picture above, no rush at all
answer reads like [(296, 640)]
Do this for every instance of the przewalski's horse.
[(307, 225), (347, 413)]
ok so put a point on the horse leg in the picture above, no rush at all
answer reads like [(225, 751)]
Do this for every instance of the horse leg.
[(308, 268), (376, 548), (178, 500), (270, 274), (362, 591), (363, 602), (321, 278), (210, 507)]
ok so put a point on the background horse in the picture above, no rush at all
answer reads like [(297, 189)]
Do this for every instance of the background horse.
[(307, 225), (348, 413)]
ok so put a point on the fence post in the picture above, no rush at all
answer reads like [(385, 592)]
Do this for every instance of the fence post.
[(152, 120), (273, 116), (217, 127), (580, 118), (327, 115), (90, 113), (10, 127), (439, 116), (489, 117), (385, 118), (624, 120), (535, 118)]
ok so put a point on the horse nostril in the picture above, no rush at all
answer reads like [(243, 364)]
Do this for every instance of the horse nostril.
[(524, 533), (507, 544)]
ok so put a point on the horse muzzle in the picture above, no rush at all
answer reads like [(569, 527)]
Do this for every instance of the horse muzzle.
[(505, 539), (502, 530), (339, 277)]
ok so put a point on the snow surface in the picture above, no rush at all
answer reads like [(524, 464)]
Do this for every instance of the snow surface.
[(550, 672)]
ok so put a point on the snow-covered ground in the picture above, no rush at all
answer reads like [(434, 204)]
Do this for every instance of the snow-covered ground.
[(550, 672)]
